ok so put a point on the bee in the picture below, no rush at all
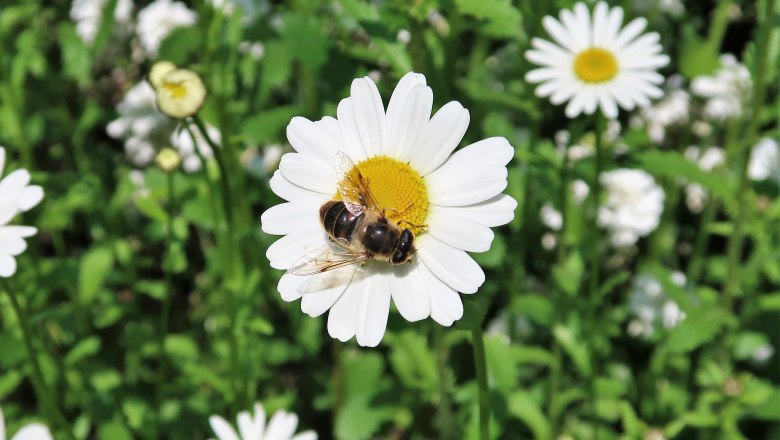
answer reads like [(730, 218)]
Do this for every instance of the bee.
[(357, 227)]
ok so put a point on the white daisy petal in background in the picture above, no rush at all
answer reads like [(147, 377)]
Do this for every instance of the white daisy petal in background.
[(450, 202), (33, 431), (696, 196), (765, 161), (593, 63), (159, 19), (282, 426), (725, 90), (87, 14), (182, 141), (633, 206), (16, 196)]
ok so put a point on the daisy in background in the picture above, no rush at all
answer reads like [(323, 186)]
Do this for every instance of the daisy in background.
[(448, 201), (253, 427), (594, 63), (16, 196), (33, 431)]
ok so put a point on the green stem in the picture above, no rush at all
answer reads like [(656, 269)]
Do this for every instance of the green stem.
[(166, 309), (444, 407), (480, 362), (742, 153), (227, 199), (719, 22), (45, 397), (595, 187)]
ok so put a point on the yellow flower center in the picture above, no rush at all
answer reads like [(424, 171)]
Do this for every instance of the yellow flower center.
[(399, 189), (595, 65), (175, 88)]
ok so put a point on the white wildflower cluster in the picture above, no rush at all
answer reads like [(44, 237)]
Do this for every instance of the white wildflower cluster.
[(553, 219), (673, 110), (33, 431), (708, 159), (651, 307), (87, 14), (281, 426), (158, 20), (765, 161), (633, 206), (725, 90), (182, 141)]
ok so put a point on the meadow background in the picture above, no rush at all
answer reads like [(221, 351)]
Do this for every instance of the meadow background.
[(143, 330)]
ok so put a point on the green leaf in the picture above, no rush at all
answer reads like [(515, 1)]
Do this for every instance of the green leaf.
[(502, 366), (151, 208), (577, 351), (267, 126), (9, 382), (770, 409), (538, 308), (78, 64), (180, 45), (93, 271), (568, 275), (631, 423), (358, 419), (181, 348), (359, 10), (305, 40), (474, 310), (500, 18), (697, 329), (697, 56), (84, 349), (114, 431), (675, 165), (523, 406), (747, 344), (413, 361)]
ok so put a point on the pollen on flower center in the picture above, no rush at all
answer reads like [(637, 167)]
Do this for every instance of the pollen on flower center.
[(175, 88), (595, 65), (399, 189)]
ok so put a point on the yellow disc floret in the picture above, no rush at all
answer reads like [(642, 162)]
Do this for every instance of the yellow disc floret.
[(595, 65), (398, 189)]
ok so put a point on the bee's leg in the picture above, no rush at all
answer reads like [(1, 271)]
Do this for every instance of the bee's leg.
[(414, 225)]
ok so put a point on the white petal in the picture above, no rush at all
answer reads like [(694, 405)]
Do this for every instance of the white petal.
[(2, 167), (306, 435), (29, 197), (284, 252), (11, 244), (439, 137), (458, 232), (289, 286), (559, 33), (2, 418), (495, 211), (453, 266), (612, 27), (632, 29), (543, 74), (410, 295), (374, 310), (259, 420), (308, 172), (246, 426), (222, 428), (490, 151), (369, 115), (600, 19), (310, 138), (397, 108), (7, 266), (608, 104), (317, 301), (292, 192), (352, 146), (33, 431), (13, 182), (289, 217), (343, 316), (406, 125), (456, 186), (282, 425), (446, 305)]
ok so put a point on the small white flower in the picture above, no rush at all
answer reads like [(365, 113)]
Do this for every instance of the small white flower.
[(406, 156), (179, 92), (762, 354), (33, 431), (595, 63), (549, 241), (765, 160), (633, 206), (272, 154), (580, 191), (16, 196), (650, 305), (282, 426), (725, 90), (87, 14), (182, 141), (551, 217), (696, 196), (255, 50), (140, 125), (404, 36), (158, 19), (674, 109), (228, 8)]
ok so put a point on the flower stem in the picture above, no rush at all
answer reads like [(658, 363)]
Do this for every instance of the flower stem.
[(742, 149), (444, 407), (166, 307), (45, 397), (595, 185), (480, 363)]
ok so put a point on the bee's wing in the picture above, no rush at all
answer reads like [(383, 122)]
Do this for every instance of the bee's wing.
[(353, 187), (326, 259)]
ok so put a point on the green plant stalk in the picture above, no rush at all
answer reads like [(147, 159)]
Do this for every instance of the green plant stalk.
[(742, 152), (557, 352), (45, 397), (480, 363), (444, 407), (166, 309), (231, 267), (720, 21), (595, 186)]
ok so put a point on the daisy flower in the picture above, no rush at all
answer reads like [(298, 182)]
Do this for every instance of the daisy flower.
[(180, 92), (594, 63), (33, 431), (252, 427), (448, 202), (16, 196)]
